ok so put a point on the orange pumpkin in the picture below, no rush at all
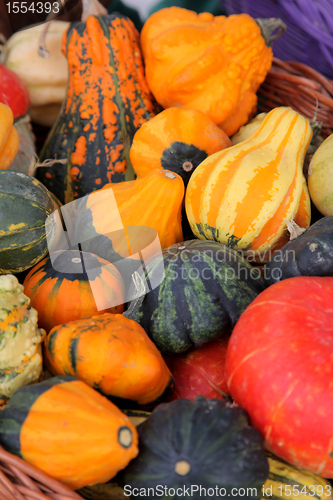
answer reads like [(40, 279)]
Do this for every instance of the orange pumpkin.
[(73, 285), (214, 64), (177, 140), (111, 353)]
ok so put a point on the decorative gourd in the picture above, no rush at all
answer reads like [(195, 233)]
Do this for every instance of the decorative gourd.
[(205, 288), (68, 430), (246, 130), (13, 92), (200, 372), (25, 205), (176, 139), (45, 78), (9, 138), (214, 64), (308, 253), (286, 482), (150, 219), (107, 100), (320, 175), (73, 285), (203, 442), (21, 359), (242, 196), (113, 354), (279, 370)]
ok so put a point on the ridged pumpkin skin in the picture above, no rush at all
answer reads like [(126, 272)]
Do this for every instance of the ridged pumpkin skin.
[(279, 370), (203, 442), (150, 219), (9, 138), (242, 196), (198, 61), (107, 100), (73, 285), (112, 354), (205, 288), (310, 254), (25, 205), (68, 430), (177, 140)]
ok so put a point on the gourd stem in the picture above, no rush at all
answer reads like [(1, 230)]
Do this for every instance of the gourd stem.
[(92, 8), (140, 291), (294, 229), (187, 166), (271, 29)]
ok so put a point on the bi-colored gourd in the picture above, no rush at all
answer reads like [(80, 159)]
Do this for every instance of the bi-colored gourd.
[(177, 140), (214, 64), (68, 430), (279, 370), (114, 355), (203, 442), (320, 177), (71, 285), (9, 138), (25, 205), (107, 100), (242, 196), (121, 220), (21, 359), (199, 290), (14, 93)]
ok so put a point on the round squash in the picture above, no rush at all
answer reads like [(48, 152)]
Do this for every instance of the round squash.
[(177, 140), (199, 290), (320, 177), (114, 355), (242, 196), (70, 285), (25, 205), (308, 254), (279, 370), (69, 431), (200, 444)]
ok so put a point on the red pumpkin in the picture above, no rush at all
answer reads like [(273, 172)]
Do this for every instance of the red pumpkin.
[(200, 372), (279, 370), (13, 92)]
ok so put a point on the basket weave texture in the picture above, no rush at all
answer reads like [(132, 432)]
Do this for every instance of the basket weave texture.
[(22, 481), (309, 35), (300, 87)]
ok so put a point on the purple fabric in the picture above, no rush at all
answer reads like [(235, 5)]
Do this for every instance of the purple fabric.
[(309, 35)]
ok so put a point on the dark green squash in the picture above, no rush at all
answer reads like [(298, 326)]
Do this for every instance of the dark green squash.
[(107, 100), (308, 254), (25, 205), (204, 443), (205, 288)]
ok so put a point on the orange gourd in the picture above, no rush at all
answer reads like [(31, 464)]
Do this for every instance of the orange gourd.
[(9, 138), (73, 285), (177, 140), (214, 64), (111, 353)]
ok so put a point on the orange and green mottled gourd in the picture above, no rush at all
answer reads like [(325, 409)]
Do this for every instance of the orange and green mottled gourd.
[(213, 64), (107, 100), (244, 195), (111, 353)]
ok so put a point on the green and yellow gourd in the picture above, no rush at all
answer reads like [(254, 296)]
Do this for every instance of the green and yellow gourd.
[(243, 195), (21, 359), (107, 100)]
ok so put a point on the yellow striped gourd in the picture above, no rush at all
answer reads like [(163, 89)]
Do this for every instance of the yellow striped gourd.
[(243, 195)]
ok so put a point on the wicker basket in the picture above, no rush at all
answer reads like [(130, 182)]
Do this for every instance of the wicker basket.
[(309, 28), (300, 87), (22, 481)]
